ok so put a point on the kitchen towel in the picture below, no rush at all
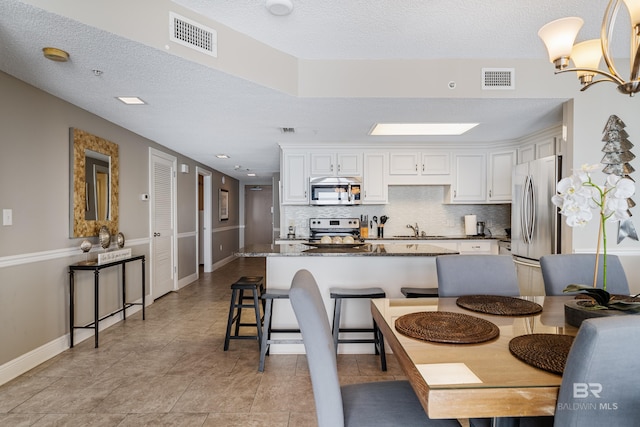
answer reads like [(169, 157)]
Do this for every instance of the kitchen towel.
[(470, 225)]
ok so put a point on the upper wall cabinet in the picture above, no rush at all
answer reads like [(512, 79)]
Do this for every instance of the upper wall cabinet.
[(376, 189), (336, 164), (500, 171), (426, 168), (295, 178), (470, 178)]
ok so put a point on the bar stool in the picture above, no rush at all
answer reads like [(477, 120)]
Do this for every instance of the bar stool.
[(419, 292), (266, 342), (255, 285), (378, 340)]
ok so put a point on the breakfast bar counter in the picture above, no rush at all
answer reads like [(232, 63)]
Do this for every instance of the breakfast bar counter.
[(366, 249), (389, 267)]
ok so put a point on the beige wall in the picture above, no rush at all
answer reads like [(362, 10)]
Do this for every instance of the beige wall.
[(36, 250)]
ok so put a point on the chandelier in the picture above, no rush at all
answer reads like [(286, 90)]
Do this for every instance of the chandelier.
[(559, 36)]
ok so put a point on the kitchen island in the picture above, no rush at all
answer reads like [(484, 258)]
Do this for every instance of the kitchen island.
[(389, 267)]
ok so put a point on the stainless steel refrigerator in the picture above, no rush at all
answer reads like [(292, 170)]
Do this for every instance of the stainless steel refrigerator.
[(535, 221)]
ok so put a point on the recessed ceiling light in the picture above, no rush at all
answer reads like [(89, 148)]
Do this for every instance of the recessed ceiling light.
[(131, 100), (279, 7), (222, 156), (251, 174), (407, 129)]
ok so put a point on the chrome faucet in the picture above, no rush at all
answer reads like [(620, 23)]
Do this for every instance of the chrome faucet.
[(416, 229)]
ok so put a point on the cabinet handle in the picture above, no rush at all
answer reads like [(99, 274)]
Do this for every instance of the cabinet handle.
[(423, 167), (489, 193), (338, 167), (331, 168), (416, 168)]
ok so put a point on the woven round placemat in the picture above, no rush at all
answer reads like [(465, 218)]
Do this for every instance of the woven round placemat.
[(446, 327), (544, 351), (500, 305)]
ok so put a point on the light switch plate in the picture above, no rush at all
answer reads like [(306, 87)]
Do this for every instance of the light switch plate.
[(7, 217)]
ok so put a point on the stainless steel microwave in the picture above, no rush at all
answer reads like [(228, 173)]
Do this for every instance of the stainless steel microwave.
[(335, 190)]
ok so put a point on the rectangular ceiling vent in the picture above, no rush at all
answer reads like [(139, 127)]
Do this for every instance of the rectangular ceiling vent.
[(287, 130), (498, 78), (193, 35)]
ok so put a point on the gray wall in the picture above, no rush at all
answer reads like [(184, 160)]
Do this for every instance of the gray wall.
[(36, 250)]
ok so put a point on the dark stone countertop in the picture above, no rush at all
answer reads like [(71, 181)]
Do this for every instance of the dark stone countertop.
[(366, 249)]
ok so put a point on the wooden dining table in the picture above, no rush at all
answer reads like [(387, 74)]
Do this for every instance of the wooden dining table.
[(481, 380)]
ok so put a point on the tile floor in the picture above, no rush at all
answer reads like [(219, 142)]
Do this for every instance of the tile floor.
[(171, 370)]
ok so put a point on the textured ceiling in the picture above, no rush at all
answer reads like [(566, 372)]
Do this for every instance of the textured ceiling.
[(199, 112)]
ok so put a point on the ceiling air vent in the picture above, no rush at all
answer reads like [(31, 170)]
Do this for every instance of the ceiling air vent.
[(498, 78), (287, 130), (193, 35)]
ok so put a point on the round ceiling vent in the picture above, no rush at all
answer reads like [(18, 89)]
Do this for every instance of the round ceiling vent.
[(279, 7)]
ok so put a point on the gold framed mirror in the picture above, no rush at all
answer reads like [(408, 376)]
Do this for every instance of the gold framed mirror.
[(93, 184)]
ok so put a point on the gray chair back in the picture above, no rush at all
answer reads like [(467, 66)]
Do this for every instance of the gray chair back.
[(561, 270), (476, 274), (599, 384), (318, 343)]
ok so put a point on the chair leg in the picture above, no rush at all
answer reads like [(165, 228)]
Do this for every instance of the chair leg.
[(337, 308), (239, 312), (266, 334), (230, 320), (380, 346), (256, 304)]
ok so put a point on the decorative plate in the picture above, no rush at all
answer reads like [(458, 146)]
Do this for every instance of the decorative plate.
[(446, 327), (104, 237), (499, 305), (120, 240), (544, 351)]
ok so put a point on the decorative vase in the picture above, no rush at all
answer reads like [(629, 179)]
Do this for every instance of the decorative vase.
[(577, 310), (104, 237)]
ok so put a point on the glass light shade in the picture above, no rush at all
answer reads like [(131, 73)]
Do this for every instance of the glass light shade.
[(559, 35), (587, 55), (634, 11)]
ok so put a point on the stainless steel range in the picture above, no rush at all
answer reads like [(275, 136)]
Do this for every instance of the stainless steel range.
[(319, 227)]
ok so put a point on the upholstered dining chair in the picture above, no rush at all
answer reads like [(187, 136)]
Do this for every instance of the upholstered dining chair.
[(384, 403), (476, 274), (561, 270)]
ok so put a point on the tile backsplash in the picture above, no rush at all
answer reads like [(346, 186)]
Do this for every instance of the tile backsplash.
[(407, 205)]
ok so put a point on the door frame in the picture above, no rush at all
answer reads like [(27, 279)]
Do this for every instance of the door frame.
[(174, 202), (207, 238)]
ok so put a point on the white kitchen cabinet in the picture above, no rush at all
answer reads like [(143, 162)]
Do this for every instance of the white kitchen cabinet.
[(500, 171), (436, 163), (295, 178), (403, 163), (478, 247), (470, 178), (407, 167), (336, 164), (526, 153), (546, 148), (374, 179)]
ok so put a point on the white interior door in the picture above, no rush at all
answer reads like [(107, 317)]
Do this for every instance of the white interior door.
[(163, 202), (204, 222)]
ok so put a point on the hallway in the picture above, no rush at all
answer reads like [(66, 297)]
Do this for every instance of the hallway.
[(171, 370)]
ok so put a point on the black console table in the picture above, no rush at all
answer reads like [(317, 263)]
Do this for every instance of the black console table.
[(95, 267)]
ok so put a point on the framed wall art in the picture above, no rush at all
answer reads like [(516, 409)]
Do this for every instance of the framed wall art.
[(223, 205)]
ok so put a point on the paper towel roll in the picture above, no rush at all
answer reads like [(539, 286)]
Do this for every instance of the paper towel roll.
[(470, 225)]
